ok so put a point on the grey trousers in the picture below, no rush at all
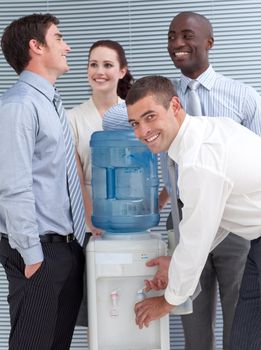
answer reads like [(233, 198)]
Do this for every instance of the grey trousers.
[(246, 330), (224, 268)]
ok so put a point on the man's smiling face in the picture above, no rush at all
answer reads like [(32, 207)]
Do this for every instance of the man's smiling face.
[(189, 40), (153, 124)]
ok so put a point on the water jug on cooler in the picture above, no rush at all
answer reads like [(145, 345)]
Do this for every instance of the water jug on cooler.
[(124, 183), (125, 205)]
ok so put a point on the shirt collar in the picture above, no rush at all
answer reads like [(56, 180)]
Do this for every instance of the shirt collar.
[(174, 148), (38, 82), (206, 79)]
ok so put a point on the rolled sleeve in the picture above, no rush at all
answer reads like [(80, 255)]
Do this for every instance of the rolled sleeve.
[(30, 254)]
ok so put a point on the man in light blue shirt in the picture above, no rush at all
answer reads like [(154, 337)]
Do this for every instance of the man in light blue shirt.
[(190, 38), (36, 170), (42, 259)]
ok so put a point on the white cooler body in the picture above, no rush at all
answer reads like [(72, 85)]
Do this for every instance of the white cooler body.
[(115, 277)]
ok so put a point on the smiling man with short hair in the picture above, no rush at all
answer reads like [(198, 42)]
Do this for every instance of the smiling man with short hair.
[(220, 187), (39, 246)]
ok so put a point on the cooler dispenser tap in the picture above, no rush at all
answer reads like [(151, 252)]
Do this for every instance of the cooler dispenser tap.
[(114, 303)]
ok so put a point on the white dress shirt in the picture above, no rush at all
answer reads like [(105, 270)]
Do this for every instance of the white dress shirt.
[(220, 186)]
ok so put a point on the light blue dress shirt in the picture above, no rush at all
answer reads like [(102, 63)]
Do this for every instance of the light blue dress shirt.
[(116, 117), (221, 97), (224, 97), (33, 187)]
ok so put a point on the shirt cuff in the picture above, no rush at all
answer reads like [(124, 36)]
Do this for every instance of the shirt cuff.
[(32, 255), (172, 298)]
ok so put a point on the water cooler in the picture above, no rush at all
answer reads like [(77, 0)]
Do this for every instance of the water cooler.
[(125, 206)]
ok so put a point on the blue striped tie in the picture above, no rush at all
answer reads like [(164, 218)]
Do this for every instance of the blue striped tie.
[(73, 182)]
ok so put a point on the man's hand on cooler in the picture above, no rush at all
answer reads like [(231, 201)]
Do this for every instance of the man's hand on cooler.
[(151, 309), (160, 280)]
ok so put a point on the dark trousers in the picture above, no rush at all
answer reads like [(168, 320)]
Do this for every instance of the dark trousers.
[(43, 308), (246, 330), (224, 268)]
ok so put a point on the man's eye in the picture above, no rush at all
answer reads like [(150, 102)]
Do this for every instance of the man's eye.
[(150, 116), (133, 124), (188, 36)]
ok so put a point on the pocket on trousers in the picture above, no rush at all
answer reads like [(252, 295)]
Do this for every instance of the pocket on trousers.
[(41, 279), (38, 275)]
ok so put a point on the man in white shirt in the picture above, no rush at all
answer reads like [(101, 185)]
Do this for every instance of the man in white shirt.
[(220, 186), (190, 39)]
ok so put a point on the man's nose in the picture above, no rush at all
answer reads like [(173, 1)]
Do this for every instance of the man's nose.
[(144, 130), (178, 41), (68, 48)]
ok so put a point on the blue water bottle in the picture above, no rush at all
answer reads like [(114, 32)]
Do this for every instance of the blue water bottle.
[(124, 183)]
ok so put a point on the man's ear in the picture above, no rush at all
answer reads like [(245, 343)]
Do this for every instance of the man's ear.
[(35, 46), (175, 104), (210, 42)]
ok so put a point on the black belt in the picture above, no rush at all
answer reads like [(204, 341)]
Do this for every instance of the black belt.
[(55, 238), (49, 238)]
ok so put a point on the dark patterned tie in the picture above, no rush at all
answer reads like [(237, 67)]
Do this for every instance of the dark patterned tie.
[(193, 106), (73, 182), (173, 198)]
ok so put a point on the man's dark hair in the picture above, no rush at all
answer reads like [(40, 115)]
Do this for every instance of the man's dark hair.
[(17, 35), (157, 86)]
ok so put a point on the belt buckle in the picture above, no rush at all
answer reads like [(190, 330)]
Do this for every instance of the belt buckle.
[(70, 238)]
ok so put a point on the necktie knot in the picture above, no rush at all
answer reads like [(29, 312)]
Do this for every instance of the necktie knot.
[(193, 85), (57, 97)]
